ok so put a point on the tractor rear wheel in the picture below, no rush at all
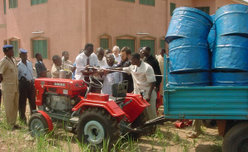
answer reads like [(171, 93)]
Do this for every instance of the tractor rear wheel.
[(236, 139), (96, 125), (37, 125)]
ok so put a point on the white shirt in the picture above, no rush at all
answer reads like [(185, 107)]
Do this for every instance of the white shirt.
[(142, 76), (103, 62), (117, 58), (66, 65), (25, 71), (81, 62), (109, 80)]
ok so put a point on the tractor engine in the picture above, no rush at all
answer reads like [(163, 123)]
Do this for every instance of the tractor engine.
[(59, 95), (59, 102)]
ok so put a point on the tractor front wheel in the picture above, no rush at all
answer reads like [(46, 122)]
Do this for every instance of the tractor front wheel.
[(96, 125), (37, 125)]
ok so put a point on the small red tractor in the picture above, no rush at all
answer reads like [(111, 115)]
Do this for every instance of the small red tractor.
[(94, 117)]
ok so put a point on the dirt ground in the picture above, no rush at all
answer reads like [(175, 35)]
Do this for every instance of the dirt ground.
[(167, 138)]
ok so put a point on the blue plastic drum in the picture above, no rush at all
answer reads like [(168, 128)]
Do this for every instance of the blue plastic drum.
[(232, 19), (189, 79), (212, 35), (189, 55), (229, 78), (230, 53), (188, 22)]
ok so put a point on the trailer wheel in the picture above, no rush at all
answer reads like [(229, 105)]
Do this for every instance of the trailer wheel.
[(96, 125), (37, 125), (236, 139)]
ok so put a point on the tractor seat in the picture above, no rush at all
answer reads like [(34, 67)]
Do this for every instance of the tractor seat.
[(119, 91)]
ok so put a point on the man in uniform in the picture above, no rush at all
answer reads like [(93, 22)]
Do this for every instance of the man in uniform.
[(26, 85), (9, 79)]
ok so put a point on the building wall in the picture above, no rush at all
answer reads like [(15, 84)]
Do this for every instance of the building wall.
[(120, 18), (2, 25), (62, 25), (69, 25)]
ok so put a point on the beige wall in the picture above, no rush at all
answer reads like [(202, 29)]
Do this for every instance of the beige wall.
[(62, 25), (118, 18), (2, 25), (69, 24)]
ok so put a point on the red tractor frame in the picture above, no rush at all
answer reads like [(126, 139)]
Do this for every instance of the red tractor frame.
[(94, 117)]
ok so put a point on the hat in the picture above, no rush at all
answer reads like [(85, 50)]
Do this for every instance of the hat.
[(7, 46), (23, 51)]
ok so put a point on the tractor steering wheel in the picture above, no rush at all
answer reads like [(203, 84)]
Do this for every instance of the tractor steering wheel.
[(93, 82)]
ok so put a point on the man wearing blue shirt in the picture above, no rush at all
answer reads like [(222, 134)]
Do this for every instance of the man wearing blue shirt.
[(26, 85)]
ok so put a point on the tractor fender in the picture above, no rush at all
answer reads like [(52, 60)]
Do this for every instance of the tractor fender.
[(48, 119), (113, 109)]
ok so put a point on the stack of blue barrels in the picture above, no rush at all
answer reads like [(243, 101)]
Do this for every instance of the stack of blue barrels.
[(189, 56), (230, 51)]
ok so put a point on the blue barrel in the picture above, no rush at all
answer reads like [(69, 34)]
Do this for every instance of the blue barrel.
[(230, 53), (187, 55), (212, 35), (189, 79), (188, 22), (229, 78), (232, 19)]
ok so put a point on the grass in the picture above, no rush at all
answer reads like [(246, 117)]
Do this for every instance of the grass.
[(164, 139)]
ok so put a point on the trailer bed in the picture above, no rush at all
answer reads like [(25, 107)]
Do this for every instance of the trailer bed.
[(210, 102)]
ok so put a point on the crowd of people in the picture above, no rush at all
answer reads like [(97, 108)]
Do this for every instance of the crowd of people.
[(142, 71)]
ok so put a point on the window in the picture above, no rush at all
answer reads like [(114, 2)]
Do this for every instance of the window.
[(162, 44), (126, 42), (40, 46), (4, 6), (204, 9), (147, 2), (104, 43), (172, 7), (35, 2), (149, 43), (129, 0), (13, 4), (15, 44)]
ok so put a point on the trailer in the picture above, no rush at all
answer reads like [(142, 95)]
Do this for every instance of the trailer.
[(228, 105)]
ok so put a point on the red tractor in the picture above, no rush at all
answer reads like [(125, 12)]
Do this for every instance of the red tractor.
[(92, 116)]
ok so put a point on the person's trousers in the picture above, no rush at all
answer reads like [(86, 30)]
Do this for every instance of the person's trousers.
[(150, 112), (197, 126), (0, 97), (27, 91), (10, 101)]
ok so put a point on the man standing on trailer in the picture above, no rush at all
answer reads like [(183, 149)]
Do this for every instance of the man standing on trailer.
[(26, 85), (9, 80)]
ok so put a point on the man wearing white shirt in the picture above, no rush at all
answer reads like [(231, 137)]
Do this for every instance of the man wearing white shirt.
[(110, 78), (86, 58), (101, 58), (144, 80), (26, 85), (116, 52)]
